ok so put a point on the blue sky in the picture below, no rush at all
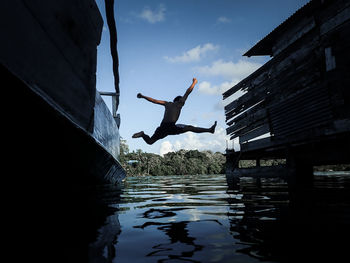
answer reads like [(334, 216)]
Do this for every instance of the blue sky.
[(162, 45)]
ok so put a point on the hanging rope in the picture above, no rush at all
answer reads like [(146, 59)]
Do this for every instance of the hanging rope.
[(109, 6)]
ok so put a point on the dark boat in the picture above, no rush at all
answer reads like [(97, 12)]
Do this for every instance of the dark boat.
[(48, 58), (60, 141)]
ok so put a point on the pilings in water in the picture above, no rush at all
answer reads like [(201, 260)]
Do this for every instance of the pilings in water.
[(294, 163)]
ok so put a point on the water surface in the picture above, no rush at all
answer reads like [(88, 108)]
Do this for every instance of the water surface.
[(199, 219)]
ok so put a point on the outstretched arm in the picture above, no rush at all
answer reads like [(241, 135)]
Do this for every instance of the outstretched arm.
[(160, 102), (189, 90)]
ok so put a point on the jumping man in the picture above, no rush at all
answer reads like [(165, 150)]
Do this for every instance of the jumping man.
[(171, 115)]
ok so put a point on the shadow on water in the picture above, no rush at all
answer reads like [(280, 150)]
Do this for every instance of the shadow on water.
[(82, 227), (66, 226), (282, 226)]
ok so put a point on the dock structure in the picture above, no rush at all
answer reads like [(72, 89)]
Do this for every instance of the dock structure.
[(296, 107)]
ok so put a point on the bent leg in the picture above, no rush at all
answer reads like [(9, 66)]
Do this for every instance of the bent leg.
[(149, 140), (144, 136)]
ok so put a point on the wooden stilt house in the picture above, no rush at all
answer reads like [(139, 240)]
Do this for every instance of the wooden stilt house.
[(297, 105)]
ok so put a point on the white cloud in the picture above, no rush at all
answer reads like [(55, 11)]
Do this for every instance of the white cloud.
[(153, 16), (223, 20), (166, 147), (191, 142), (194, 54), (229, 69), (177, 145), (205, 87), (220, 105)]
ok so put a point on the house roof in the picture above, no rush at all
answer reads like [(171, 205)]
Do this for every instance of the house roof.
[(264, 46)]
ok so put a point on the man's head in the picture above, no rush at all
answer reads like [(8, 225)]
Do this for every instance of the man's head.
[(177, 98)]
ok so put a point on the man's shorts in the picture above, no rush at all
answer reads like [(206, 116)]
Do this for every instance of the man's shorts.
[(168, 128)]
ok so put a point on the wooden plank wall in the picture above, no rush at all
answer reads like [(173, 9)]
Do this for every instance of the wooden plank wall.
[(303, 91)]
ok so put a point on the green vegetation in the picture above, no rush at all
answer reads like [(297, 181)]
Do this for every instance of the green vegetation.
[(263, 162), (183, 162), (331, 168)]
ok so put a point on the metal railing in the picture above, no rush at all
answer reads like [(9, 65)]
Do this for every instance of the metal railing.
[(114, 95)]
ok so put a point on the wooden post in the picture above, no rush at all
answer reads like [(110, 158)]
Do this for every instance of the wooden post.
[(258, 178), (232, 159), (300, 171), (304, 173)]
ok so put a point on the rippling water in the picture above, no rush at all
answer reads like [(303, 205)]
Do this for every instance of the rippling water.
[(176, 218), (199, 219)]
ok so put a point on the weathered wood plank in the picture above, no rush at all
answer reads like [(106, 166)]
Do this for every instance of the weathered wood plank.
[(259, 109), (258, 144), (278, 110), (249, 121), (234, 129), (306, 124), (247, 124), (292, 79), (301, 111), (249, 128), (335, 21), (271, 97), (303, 27), (261, 130), (241, 110), (262, 171), (267, 71), (341, 126), (262, 74), (300, 98)]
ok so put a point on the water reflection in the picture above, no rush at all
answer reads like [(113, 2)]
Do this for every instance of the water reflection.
[(177, 233), (102, 248), (178, 218), (255, 216), (200, 219), (283, 226), (77, 224)]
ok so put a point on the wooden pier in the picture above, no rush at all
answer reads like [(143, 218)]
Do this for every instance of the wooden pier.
[(296, 107)]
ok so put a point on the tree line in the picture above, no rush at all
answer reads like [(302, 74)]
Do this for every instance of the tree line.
[(182, 162)]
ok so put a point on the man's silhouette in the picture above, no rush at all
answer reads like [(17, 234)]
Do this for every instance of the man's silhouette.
[(171, 115)]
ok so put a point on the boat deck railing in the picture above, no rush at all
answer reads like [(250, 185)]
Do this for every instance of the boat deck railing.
[(113, 95)]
